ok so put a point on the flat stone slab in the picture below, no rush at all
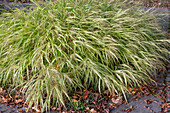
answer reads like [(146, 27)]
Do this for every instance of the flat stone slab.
[(167, 79), (168, 74), (162, 14), (168, 83), (138, 106), (8, 109)]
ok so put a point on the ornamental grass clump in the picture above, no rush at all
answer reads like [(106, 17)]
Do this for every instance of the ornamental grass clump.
[(62, 47)]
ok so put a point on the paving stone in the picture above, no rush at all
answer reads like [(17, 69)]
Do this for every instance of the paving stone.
[(168, 99), (138, 106), (10, 6), (167, 79), (7, 109)]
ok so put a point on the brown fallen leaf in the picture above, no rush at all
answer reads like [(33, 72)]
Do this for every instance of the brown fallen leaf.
[(136, 98), (92, 110), (7, 100), (128, 110), (54, 108), (146, 93), (36, 109), (106, 110), (130, 89), (61, 106), (130, 107), (7, 96), (1, 89), (11, 103), (12, 106), (117, 100), (133, 92), (106, 92), (19, 101), (86, 93), (21, 111), (16, 96), (87, 108), (75, 101), (150, 109), (75, 97)]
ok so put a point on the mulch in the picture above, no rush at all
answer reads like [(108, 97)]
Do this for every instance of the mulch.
[(89, 101)]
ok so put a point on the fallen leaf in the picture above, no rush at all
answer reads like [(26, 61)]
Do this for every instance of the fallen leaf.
[(128, 110), (1, 90), (11, 103), (19, 101), (92, 111), (86, 94), (21, 111), (130, 107), (149, 101), (54, 108), (106, 92), (7, 96), (136, 98), (130, 89), (133, 93), (87, 108), (75, 101), (7, 100), (12, 106), (16, 96), (75, 97), (61, 105), (106, 110), (36, 109), (117, 100)]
